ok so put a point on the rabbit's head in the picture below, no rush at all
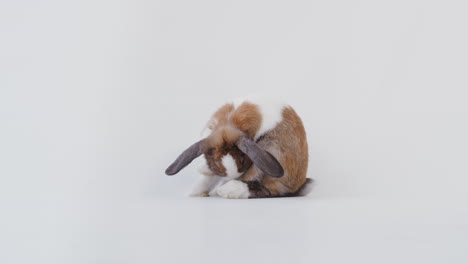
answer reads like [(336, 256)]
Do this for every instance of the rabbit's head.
[(228, 151)]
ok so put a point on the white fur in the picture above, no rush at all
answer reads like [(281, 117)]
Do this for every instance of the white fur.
[(231, 167), (270, 109), (204, 185), (234, 190), (203, 168), (208, 182), (306, 189)]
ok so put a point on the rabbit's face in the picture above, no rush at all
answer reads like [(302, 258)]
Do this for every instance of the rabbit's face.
[(227, 161), (228, 153)]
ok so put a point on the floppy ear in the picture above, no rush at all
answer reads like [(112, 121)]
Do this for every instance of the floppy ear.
[(261, 158), (185, 158)]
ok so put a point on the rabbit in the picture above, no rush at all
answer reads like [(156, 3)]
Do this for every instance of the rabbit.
[(254, 149)]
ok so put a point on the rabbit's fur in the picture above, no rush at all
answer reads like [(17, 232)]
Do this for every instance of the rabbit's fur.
[(254, 149)]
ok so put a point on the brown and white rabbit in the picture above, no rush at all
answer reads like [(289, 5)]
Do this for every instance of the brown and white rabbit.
[(255, 149)]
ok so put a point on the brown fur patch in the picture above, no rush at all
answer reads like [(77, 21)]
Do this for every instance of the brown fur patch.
[(227, 125), (221, 142), (288, 143), (243, 162), (247, 118)]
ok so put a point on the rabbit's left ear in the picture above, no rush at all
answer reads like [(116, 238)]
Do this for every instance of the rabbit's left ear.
[(261, 158), (185, 158)]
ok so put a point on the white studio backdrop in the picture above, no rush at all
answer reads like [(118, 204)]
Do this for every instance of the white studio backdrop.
[(97, 98)]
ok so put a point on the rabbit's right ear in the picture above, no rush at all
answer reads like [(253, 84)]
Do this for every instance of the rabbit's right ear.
[(261, 158), (185, 158)]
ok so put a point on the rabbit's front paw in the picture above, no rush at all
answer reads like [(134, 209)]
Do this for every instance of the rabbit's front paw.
[(234, 190)]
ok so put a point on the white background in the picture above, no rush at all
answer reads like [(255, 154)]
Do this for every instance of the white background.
[(98, 97)]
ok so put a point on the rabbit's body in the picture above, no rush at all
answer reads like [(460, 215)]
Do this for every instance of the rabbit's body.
[(254, 149)]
